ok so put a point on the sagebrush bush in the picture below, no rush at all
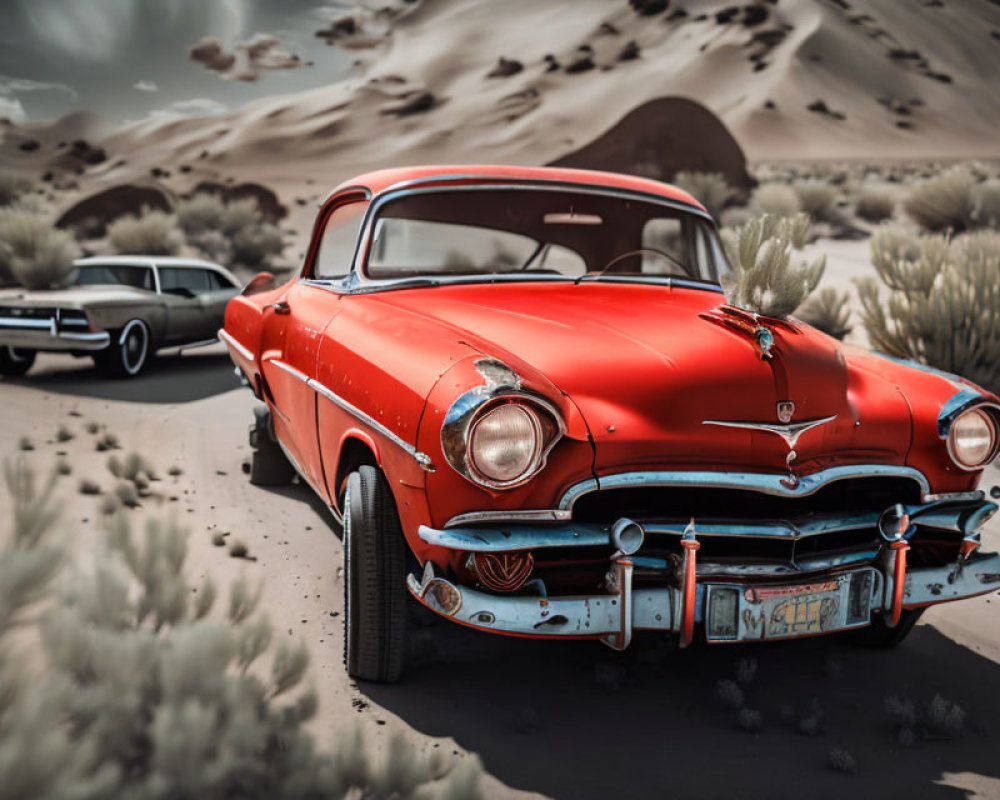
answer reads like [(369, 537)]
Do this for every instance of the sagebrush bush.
[(776, 199), (199, 213), (151, 233), (12, 188), (255, 246), (33, 253), (987, 203), (827, 310), (875, 203), (730, 694), (944, 202), (942, 302), (816, 198), (151, 690), (711, 189), (763, 279)]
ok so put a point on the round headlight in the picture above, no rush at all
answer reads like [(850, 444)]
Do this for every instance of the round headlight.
[(505, 443), (972, 440)]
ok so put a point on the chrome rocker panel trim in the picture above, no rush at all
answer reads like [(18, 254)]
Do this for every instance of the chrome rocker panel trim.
[(233, 344)]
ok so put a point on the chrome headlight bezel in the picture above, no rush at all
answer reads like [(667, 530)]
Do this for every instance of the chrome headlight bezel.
[(989, 414), (503, 387)]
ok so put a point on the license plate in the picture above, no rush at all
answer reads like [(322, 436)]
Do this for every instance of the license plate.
[(789, 611)]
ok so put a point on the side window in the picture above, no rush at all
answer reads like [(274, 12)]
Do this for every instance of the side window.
[(184, 281), (217, 282), (338, 241)]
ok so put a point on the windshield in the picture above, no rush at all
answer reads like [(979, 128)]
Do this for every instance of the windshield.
[(511, 231), (114, 275)]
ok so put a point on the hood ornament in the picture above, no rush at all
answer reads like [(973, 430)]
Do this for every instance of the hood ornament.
[(788, 431), (765, 341), (748, 324)]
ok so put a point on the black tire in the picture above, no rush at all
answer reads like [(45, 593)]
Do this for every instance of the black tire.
[(268, 465), (375, 593), (878, 635), (14, 363), (129, 352)]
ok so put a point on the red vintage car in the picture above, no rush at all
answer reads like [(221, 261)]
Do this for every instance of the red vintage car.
[(523, 392)]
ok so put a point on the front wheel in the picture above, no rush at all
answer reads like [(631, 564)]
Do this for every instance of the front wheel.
[(129, 351), (14, 363), (375, 593), (878, 635)]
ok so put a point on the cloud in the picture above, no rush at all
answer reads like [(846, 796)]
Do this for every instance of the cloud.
[(9, 86), (196, 107), (145, 86), (11, 108), (247, 60), (90, 30)]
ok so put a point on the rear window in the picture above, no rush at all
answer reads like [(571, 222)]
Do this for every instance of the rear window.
[(114, 275)]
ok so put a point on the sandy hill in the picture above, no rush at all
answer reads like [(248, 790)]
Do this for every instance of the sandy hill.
[(524, 81)]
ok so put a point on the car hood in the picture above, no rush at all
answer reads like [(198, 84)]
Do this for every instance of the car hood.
[(72, 296), (653, 375)]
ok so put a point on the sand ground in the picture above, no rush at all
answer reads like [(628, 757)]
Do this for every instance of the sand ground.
[(567, 720)]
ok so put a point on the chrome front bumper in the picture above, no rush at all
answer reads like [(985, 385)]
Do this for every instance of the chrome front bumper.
[(45, 336), (613, 617)]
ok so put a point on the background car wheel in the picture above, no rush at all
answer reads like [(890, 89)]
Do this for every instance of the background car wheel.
[(129, 351), (880, 635), (375, 593), (14, 363), (268, 465)]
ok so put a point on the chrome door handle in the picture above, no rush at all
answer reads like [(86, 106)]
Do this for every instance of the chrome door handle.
[(281, 307)]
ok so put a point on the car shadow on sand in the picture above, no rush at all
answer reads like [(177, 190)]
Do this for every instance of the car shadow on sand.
[(575, 720), (169, 378)]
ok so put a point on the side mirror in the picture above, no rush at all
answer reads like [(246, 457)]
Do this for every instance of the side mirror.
[(261, 282)]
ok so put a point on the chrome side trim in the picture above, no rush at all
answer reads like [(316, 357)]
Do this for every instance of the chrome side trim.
[(192, 345), (289, 369), (790, 432), (235, 345), (532, 515), (422, 459), (767, 483), (20, 322), (486, 540)]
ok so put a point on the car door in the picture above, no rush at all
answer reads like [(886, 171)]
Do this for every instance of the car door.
[(182, 289), (292, 331)]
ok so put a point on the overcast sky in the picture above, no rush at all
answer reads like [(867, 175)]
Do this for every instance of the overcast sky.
[(124, 59)]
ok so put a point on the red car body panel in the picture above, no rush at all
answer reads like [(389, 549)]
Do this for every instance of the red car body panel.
[(635, 371)]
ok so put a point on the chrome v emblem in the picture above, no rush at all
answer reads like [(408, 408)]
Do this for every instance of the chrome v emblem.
[(790, 432)]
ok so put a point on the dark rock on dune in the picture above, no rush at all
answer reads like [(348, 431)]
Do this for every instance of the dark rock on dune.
[(649, 8), (770, 105), (505, 67), (414, 103), (662, 137), (727, 15), (29, 145), (159, 172), (271, 209), (607, 29), (98, 210), (680, 13), (83, 151), (552, 62), (630, 51), (582, 63), (754, 15), (820, 107)]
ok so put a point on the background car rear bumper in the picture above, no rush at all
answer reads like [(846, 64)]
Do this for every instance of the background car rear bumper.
[(614, 616), (48, 338)]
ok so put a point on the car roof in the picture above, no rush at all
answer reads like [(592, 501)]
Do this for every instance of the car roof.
[(144, 261), (389, 179)]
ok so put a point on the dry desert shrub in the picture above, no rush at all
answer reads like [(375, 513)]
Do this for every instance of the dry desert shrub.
[(229, 232), (256, 245), (943, 202), (710, 188), (750, 720), (816, 198), (153, 232), (875, 203), (12, 188), (776, 199), (763, 279), (730, 694), (942, 302), (827, 310), (199, 213), (32, 252), (153, 689), (842, 761), (987, 201)]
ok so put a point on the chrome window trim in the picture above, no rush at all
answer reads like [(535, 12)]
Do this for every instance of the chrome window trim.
[(767, 483), (230, 341), (422, 459), (530, 515), (359, 279)]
